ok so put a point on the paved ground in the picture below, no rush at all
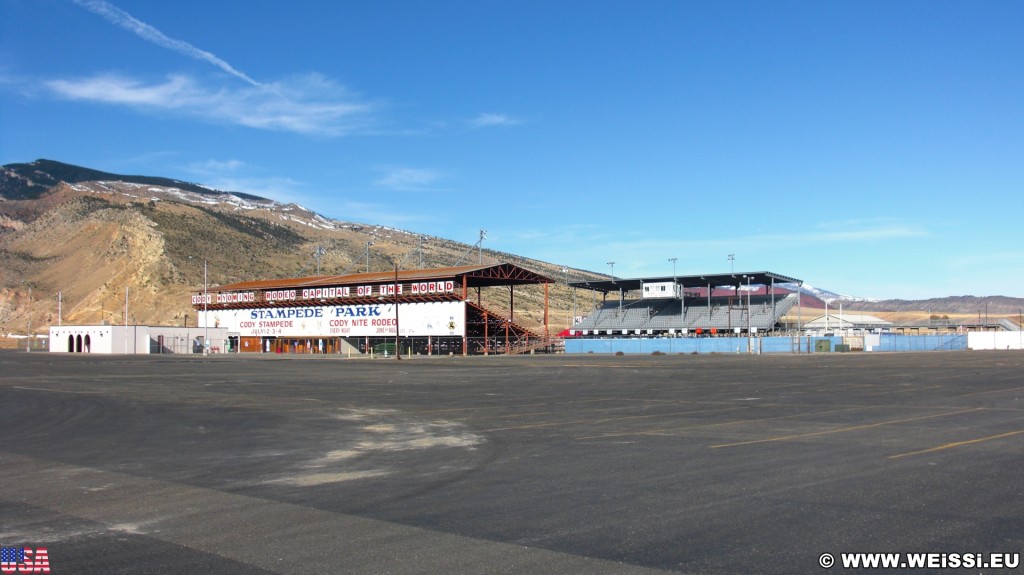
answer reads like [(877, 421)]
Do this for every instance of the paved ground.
[(567, 464)]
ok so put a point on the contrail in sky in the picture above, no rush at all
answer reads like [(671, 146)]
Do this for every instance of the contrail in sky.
[(125, 20)]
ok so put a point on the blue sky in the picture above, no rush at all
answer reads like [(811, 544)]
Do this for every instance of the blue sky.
[(871, 148)]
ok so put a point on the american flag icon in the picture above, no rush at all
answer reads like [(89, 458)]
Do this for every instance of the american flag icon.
[(25, 560), (12, 555)]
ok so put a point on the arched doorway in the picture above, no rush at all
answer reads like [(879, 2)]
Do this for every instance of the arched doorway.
[(71, 344), (78, 343), (88, 344)]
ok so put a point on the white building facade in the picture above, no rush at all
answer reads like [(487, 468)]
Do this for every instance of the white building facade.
[(135, 339)]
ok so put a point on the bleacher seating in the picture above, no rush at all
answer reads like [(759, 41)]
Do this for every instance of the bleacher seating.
[(663, 316)]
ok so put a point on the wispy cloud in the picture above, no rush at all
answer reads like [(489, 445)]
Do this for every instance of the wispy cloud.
[(238, 176), (119, 17), (408, 179), (378, 214), (309, 104), (284, 190), (216, 166), (638, 242), (489, 119), (998, 260), (641, 253), (865, 229)]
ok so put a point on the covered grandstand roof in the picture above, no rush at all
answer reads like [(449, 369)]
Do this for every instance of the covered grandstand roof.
[(714, 280), (474, 276), (268, 293)]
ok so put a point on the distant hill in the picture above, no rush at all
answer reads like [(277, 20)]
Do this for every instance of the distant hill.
[(90, 235), (965, 304)]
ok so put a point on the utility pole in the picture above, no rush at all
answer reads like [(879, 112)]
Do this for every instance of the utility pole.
[(28, 331), (318, 253)]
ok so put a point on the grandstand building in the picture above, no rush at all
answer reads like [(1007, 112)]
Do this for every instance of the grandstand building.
[(688, 306), (428, 312)]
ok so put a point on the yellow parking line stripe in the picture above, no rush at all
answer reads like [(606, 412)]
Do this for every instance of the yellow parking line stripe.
[(844, 429), (592, 421), (668, 430), (957, 444)]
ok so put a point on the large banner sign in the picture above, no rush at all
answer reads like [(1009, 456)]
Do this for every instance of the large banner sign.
[(324, 293), (374, 320)]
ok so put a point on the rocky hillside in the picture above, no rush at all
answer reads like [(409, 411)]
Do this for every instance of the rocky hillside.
[(92, 239)]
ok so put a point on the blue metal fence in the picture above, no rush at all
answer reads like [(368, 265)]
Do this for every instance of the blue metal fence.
[(690, 345), (890, 342), (804, 344)]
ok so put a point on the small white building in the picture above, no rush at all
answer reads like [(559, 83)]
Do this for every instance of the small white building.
[(135, 339), (977, 340), (660, 290)]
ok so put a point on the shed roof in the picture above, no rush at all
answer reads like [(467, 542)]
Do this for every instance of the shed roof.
[(847, 320)]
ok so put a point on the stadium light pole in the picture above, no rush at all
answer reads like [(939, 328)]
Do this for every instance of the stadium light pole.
[(398, 347), (480, 247), (565, 270), (206, 316), (368, 244), (826, 315), (675, 287), (750, 340), (732, 262), (612, 264)]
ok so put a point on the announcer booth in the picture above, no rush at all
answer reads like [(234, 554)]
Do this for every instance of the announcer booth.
[(425, 312)]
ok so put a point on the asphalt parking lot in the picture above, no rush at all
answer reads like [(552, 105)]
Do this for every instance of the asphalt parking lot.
[(558, 464)]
